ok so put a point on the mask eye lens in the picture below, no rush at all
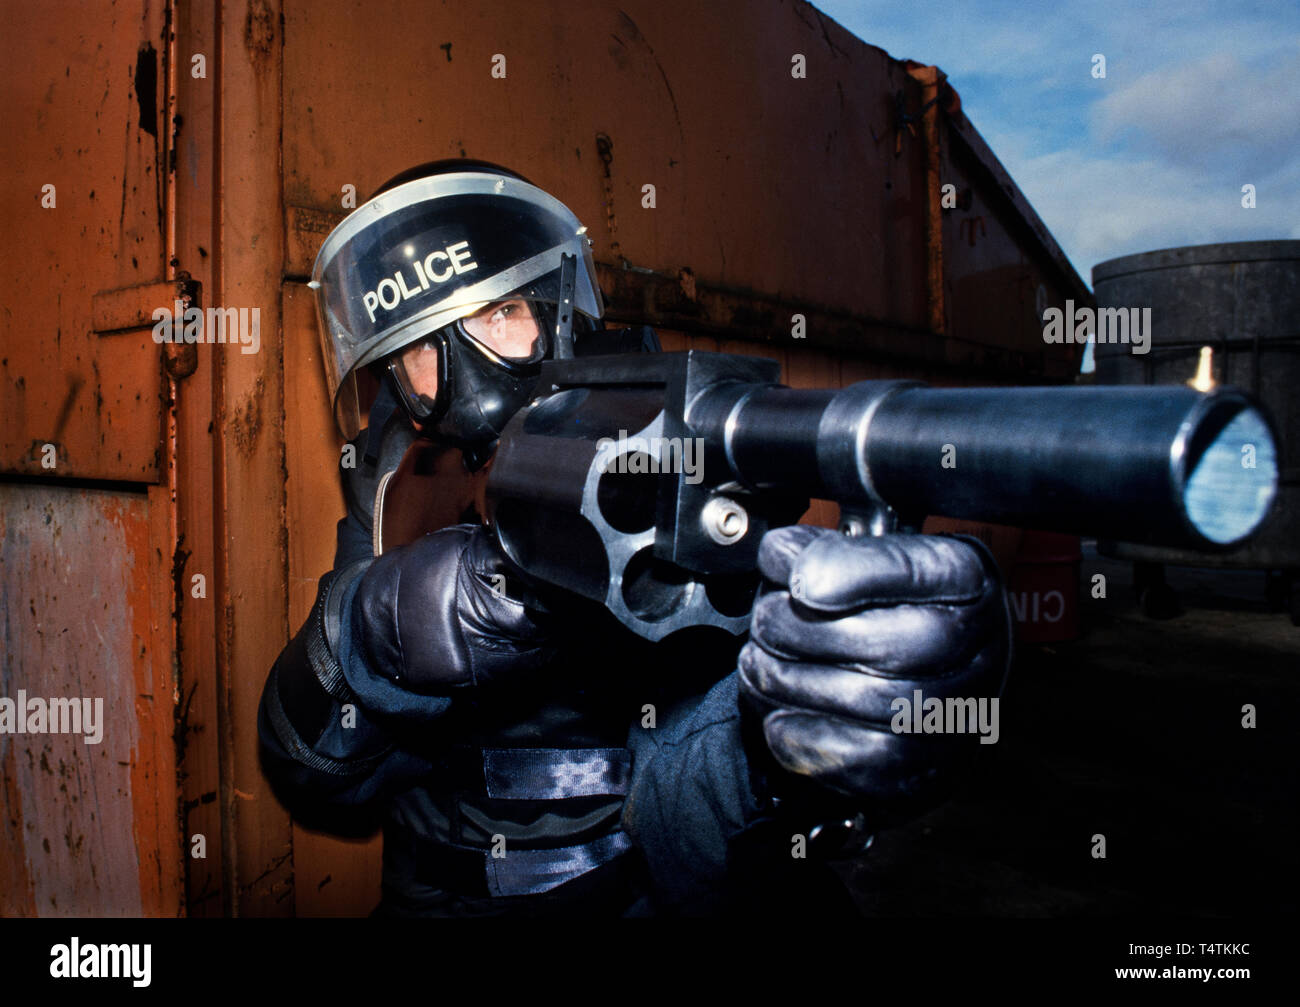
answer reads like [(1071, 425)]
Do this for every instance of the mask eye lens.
[(508, 328), (415, 370)]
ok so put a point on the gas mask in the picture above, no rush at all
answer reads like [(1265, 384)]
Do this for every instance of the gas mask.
[(462, 383)]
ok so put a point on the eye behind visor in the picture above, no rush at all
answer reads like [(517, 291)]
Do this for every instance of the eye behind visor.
[(420, 374), (507, 332)]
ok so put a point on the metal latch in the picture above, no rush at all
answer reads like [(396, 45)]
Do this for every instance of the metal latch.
[(130, 308)]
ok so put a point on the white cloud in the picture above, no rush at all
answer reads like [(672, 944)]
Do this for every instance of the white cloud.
[(1212, 111)]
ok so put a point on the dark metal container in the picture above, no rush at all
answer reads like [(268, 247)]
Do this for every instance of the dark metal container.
[(1241, 299)]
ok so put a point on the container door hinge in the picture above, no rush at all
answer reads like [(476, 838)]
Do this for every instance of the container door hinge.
[(129, 309)]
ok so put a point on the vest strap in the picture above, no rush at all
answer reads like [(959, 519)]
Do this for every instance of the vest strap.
[(529, 872), (469, 871), (546, 774)]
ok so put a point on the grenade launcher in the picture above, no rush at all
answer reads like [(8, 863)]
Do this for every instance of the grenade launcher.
[(645, 481)]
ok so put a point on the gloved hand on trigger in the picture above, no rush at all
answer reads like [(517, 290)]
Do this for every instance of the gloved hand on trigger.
[(450, 610), (844, 627)]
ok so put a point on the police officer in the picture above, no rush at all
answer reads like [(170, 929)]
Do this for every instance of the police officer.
[(522, 754)]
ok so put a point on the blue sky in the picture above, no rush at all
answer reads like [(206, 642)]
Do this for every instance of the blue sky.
[(1199, 99)]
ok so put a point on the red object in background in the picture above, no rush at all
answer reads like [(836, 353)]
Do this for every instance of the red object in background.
[(1044, 587)]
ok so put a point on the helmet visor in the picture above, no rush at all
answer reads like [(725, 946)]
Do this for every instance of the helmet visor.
[(433, 251)]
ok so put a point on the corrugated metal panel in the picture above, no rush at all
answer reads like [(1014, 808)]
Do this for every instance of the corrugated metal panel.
[(253, 621)]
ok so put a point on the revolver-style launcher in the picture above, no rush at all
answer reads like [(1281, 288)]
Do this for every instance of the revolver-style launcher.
[(645, 481)]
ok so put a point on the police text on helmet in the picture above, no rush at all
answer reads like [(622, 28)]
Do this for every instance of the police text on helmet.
[(438, 266)]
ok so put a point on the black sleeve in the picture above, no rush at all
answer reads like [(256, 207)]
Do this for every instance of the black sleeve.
[(322, 740)]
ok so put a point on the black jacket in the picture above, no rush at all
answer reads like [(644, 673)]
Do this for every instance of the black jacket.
[(560, 801)]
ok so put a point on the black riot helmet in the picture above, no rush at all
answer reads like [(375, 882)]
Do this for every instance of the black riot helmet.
[(459, 276)]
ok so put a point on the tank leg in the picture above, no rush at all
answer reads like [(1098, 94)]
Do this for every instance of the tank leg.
[(1156, 598)]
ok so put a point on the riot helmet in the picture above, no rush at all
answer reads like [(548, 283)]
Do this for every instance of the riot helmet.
[(454, 281)]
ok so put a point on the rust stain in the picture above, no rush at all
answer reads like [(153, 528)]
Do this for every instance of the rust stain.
[(246, 424), (181, 732), (687, 280), (17, 893), (931, 78), (152, 778), (259, 31), (605, 151), (75, 384), (274, 866), (180, 555)]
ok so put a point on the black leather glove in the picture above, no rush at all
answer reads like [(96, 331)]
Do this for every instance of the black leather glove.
[(450, 610), (845, 626)]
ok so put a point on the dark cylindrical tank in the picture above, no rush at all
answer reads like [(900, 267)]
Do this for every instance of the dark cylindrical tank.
[(1241, 299)]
